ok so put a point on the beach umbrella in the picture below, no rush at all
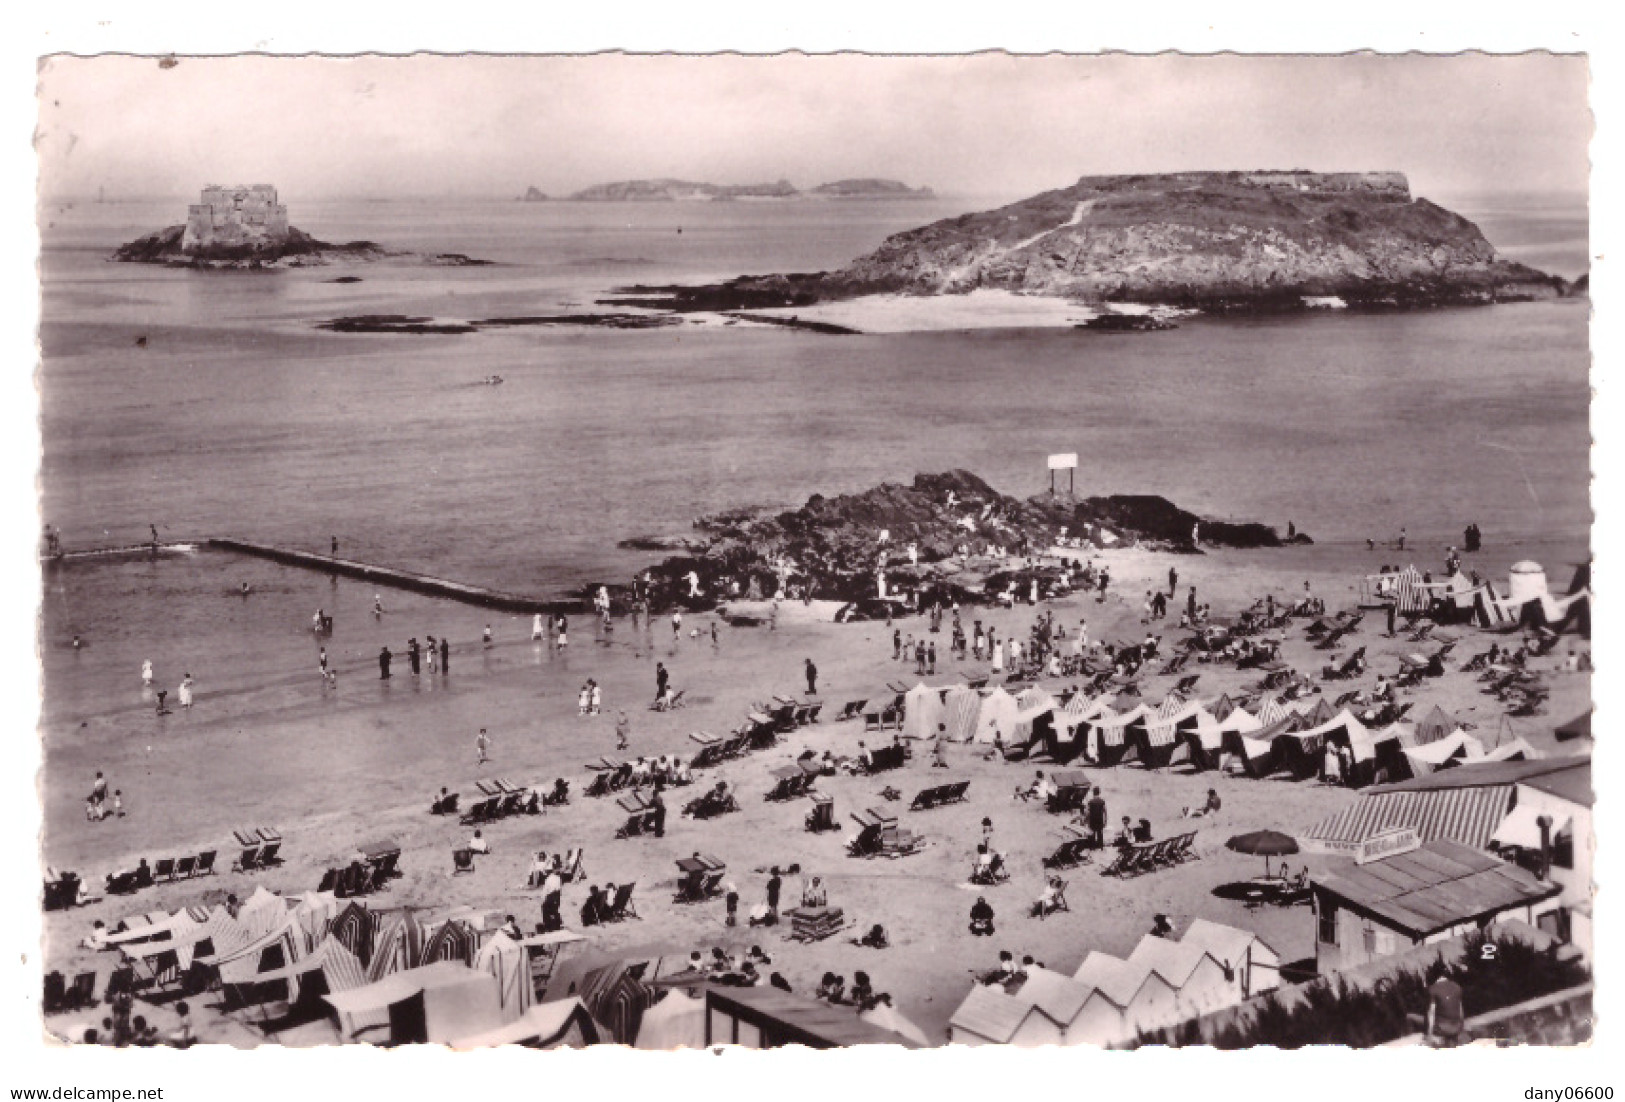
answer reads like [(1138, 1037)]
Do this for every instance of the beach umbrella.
[(1265, 844)]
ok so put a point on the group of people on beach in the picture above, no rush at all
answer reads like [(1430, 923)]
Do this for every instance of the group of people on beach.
[(99, 806), (183, 692), (416, 658)]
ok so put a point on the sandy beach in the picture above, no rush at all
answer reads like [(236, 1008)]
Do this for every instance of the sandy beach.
[(332, 768)]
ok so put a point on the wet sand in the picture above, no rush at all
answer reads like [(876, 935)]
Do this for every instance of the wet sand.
[(333, 768)]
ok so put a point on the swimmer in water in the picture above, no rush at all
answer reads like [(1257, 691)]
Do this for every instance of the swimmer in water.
[(76, 643), (377, 604), (146, 672), (245, 589)]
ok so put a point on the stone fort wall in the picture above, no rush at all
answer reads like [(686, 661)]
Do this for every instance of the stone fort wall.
[(236, 218)]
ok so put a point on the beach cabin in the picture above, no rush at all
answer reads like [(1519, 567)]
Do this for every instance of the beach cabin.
[(1251, 966), (988, 1016), (1197, 977), (1141, 998), (1417, 893), (561, 1024), (1548, 832), (766, 1017), (676, 1021)]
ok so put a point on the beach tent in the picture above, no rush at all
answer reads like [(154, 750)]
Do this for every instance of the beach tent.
[(961, 707), (261, 945), (1198, 979), (1255, 756), (1223, 707), (451, 940), (397, 947), (922, 711), (676, 1021), (1411, 597), (1443, 753), (1516, 750), (1204, 746), (1029, 716), (327, 968), (887, 1017), (1577, 728), (1489, 610), (157, 925), (1322, 712), (997, 716), (507, 960), (1526, 581), (1109, 734), (563, 1023), (1159, 741), (1251, 965), (436, 1003), (1271, 712), (1434, 726), (314, 913), (1059, 734), (355, 927)]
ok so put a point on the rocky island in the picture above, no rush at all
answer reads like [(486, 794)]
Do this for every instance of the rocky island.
[(1210, 241), (246, 227), (681, 191)]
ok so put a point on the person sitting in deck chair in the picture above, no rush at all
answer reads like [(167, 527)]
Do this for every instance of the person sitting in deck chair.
[(1161, 927), (981, 918), (814, 895), (478, 843), (862, 994), (1125, 834), (1049, 900), (832, 988), (540, 866)]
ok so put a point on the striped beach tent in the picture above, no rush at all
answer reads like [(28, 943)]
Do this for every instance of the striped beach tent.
[(454, 940), (398, 946), (1409, 594), (922, 711), (355, 928), (1271, 712), (961, 709), (997, 716), (1172, 704)]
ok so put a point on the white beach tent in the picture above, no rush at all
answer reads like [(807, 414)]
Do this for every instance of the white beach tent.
[(998, 716), (563, 1023), (455, 1001), (507, 960), (961, 708), (1440, 753), (922, 711), (676, 1021), (887, 1017)]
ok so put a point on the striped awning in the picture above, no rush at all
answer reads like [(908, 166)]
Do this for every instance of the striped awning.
[(1465, 815), (1171, 706), (1162, 734)]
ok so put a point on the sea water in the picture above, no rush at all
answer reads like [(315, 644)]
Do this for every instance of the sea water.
[(209, 403)]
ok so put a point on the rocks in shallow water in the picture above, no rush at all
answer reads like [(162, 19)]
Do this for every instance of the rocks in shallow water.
[(1126, 323), (392, 323)]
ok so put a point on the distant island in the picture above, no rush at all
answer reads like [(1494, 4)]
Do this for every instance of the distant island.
[(533, 195), (687, 191), (246, 227), (1211, 241)]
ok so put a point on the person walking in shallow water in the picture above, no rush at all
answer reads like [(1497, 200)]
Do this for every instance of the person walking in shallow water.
[(445, 655), (413, 655), (184, 693), (384, 658)]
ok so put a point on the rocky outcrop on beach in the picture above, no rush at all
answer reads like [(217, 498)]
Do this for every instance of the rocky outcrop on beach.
[(1214, 241), (836, 543), (533, 195), (295, 249)]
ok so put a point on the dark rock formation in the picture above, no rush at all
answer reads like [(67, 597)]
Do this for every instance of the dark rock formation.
[(297, 250), (533, 195)]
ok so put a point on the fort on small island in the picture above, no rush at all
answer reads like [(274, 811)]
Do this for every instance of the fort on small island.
[(236, 218)]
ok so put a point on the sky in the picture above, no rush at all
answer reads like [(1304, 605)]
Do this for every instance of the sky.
[(986, 125)]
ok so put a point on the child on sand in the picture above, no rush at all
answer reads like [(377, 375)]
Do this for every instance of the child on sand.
[(482, 745), (597, 697), (185, 691), (584, 699)]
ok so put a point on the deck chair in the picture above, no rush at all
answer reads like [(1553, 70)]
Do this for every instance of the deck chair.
[(248, 861), (956, 792), (622, 907), (598, 787), (205, 863), (185, 867), (926, 800), (82, 994), (164, 869), (813, 711), (558, 795), (512, 804), (851, 710), (1121, 864), (1187, 683), (574, 869), (462, 860), (790, 781), (822, 816), (329, 881)]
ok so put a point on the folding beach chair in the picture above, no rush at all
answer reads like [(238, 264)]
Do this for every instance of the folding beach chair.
[(1186, 684), (621, 906), (164, 869), (329, 881), (205, 863), (790, 781), (385, 867), (462, 860), (813, 710), (185, 867), (822, 816), (56, 993), (248, 861), (574, 868)]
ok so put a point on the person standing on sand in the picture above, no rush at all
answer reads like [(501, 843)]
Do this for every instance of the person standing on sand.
[(597, 698), (564, 634), (1173, 582), (1402, 539), (482, 746), (536, 627), (1095, 812), (930, 658), (146, 672), (584, 698), (713, 635), (445, 655), (333, 547), (432, 653), (1190, 604), (321, 663), (812, 678), (661, 679), (413, 654), (676, 624), (623, 730), (384, 658), (184, 693)]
